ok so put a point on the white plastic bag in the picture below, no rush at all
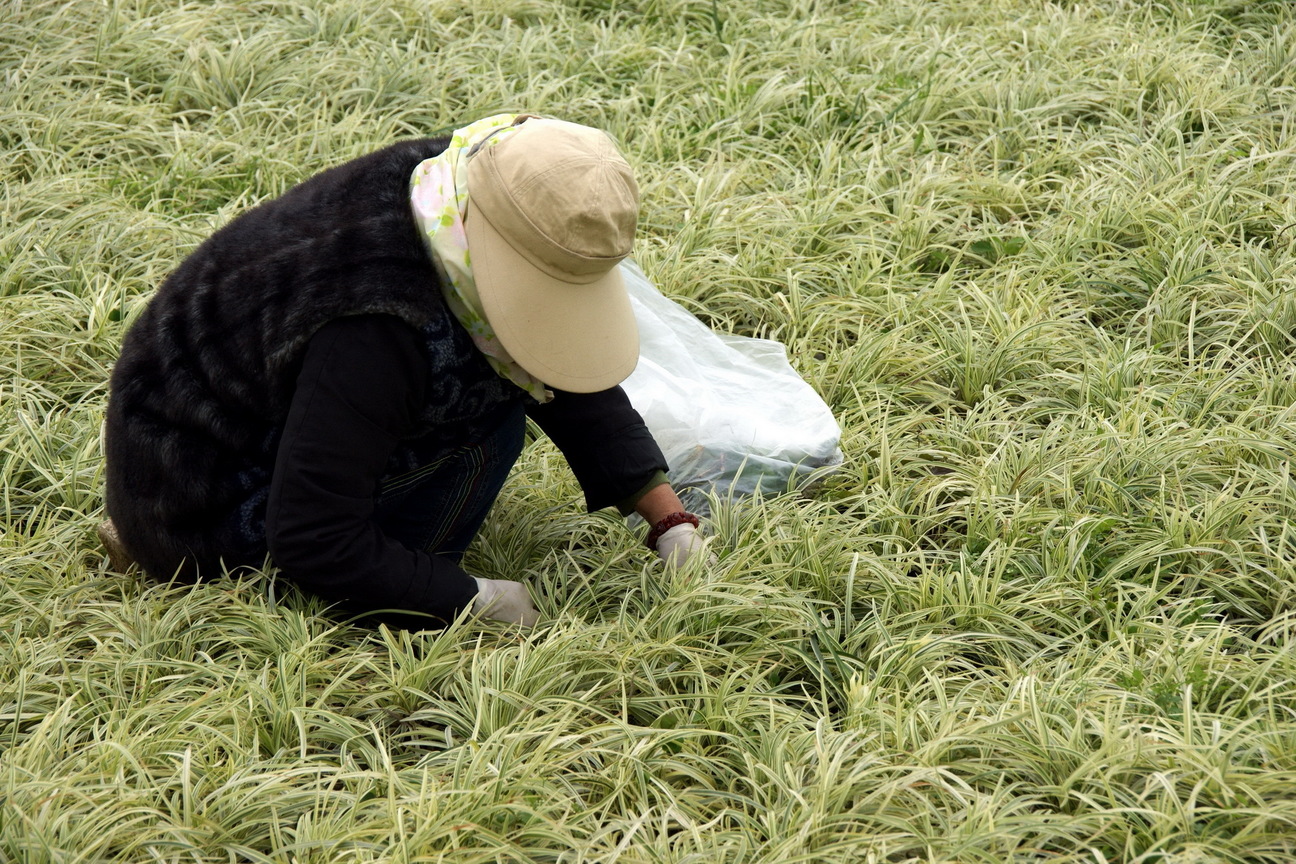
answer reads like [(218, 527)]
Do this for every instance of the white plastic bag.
[(730, 413)]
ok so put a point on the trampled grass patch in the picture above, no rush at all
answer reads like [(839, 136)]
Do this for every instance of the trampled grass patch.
[(1040, 259)]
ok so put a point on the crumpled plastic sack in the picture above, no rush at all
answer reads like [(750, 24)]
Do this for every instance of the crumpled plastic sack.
[(730, 413)]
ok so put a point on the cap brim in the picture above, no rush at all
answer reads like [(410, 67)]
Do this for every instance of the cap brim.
[(576, 337)]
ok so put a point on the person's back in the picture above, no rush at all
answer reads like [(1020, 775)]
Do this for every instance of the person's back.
[(206, 373)]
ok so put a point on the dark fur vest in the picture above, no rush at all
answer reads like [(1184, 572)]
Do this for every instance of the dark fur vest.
[(206, 375)]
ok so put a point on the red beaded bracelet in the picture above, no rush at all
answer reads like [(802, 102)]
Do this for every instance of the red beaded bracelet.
[(668, 522)]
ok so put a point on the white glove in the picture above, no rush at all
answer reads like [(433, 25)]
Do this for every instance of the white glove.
[(504, 601), (676, 545)]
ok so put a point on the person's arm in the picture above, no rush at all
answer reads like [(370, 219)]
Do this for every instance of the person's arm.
[(359, 391), (657, 503), (610, 450), (617, 462)]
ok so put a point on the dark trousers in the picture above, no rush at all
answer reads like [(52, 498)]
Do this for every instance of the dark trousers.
[(440, 506)]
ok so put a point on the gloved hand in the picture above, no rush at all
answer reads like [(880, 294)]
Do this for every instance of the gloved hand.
[(677, 545), (504, 601)]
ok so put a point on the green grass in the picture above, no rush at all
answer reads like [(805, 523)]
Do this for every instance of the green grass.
[(1040, 258)]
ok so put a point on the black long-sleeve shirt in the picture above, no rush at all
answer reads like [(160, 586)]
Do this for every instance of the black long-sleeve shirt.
[(359, 394)]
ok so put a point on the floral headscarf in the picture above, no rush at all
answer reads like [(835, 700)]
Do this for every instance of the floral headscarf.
[(439, 197)]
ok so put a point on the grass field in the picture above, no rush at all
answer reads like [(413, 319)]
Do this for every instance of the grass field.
[(1039, 257)]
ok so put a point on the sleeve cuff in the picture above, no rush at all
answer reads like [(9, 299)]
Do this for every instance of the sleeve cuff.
[(627, 505)]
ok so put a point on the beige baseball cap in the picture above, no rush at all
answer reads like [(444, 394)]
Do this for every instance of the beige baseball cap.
[(551, 211)]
